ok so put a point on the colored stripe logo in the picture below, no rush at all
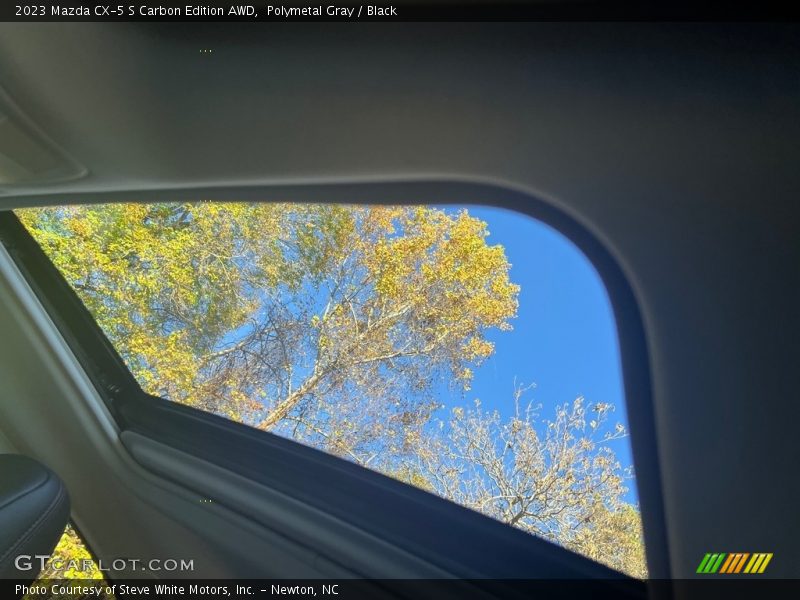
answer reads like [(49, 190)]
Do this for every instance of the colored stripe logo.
[(733, 563)]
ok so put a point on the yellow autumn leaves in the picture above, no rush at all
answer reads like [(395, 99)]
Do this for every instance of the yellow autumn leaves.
[(336, 325), (177, 286)]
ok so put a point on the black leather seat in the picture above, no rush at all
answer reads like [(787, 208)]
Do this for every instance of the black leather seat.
[(34, 510)]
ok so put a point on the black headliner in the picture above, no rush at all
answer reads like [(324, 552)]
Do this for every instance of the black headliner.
[(676, 145)]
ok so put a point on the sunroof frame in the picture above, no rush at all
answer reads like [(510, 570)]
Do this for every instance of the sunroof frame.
[(134, 410)]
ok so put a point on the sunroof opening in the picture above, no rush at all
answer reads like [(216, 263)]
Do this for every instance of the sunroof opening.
[(469, 351)]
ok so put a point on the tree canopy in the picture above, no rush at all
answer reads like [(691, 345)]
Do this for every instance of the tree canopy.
[(338, 326)]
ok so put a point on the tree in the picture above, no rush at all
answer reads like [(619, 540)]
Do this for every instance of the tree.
[(325, 322), (337, 326), (560, 481)]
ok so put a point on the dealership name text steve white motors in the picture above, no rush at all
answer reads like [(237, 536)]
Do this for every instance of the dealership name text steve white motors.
[(101, 589)]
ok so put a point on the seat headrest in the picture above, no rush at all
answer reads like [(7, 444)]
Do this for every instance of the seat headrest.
[(34, 510)]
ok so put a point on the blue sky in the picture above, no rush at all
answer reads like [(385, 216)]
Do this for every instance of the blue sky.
[(564, 338)]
